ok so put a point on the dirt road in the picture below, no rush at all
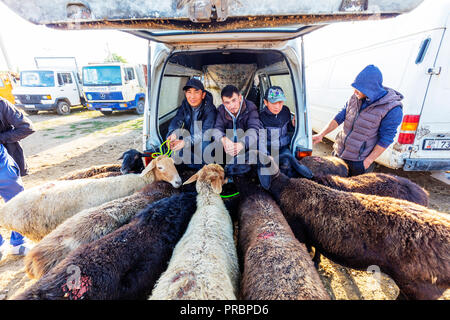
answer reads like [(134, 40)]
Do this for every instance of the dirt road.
[(86, 138)]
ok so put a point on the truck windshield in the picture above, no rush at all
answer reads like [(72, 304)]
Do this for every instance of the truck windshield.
[(37, 79), (102, 76), (1, 83)]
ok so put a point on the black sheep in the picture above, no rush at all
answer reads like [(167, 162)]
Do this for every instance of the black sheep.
[(124, 264)]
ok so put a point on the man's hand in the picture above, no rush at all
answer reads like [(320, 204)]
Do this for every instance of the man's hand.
[(230, 147), (317, 138), (238, 146), (172, 137), (367, 162), (177, 145)]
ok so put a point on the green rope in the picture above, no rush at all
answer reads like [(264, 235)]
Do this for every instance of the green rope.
[(160, 153), (231, 195)]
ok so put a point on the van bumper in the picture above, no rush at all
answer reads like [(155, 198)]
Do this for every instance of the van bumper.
[(426, 164), (37, 106), (111, 105)]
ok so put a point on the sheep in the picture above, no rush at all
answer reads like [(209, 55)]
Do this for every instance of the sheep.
[(325, 165), (90, 225), (409, 242), (276, 265), (132, 163), (37, 211), (94, 172), (380, 184), (204, 263), (123, 264)]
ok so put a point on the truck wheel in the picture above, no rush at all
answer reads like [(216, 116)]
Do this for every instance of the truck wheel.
[(140, 107), (106, 113), (63, 108)]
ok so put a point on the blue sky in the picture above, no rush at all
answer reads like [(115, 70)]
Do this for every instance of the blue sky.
[(24, 40)]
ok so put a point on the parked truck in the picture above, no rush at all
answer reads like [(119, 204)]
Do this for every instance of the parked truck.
[(114, 86), (7, 83), (55, 84)]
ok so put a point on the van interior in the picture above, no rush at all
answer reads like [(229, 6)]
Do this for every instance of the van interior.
[(252, 72)]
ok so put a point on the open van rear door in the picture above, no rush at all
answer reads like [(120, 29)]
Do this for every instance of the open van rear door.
[(168, 20)]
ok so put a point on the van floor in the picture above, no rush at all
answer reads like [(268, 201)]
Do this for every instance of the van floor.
[(86, 138)]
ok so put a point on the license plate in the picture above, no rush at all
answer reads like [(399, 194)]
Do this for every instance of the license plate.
[(30, 106), (106, 109), (436, 144)]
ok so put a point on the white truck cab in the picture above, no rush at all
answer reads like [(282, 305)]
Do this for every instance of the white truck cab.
[(247, 43), (112, 87), (49, 87)]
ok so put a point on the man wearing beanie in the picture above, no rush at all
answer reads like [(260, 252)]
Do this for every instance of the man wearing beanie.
[(371, 118)]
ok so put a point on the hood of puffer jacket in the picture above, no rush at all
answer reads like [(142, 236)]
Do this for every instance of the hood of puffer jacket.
[(370, 82)]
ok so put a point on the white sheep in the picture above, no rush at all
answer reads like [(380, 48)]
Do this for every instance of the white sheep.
[(204, 262), (37, 211)]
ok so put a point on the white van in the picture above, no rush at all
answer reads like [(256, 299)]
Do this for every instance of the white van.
[(247, 43), (52, 86), (115, 86), (413, 53)]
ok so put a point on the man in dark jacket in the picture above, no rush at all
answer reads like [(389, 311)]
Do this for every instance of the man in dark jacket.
[(371, 118), (197, 114), (237, 122), (14, 126)]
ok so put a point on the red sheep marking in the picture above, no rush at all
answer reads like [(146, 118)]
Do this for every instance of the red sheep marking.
[(189, 285), (75, 293), (266, 235)]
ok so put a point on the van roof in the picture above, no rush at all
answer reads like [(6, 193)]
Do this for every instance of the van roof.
[(154, 18)]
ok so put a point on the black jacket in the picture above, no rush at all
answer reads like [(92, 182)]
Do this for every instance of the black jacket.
[(183, 118), (14, 126)]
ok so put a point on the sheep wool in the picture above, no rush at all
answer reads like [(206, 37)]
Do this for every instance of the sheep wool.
[(204, 263), (90, 225), (37, 211), (276, 265)]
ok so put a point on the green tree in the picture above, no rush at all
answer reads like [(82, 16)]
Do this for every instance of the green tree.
[(114, 57)]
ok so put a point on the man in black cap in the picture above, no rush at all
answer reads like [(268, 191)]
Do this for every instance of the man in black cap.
[(196, 114)]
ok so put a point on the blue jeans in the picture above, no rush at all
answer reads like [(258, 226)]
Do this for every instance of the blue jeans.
[(10, 185)]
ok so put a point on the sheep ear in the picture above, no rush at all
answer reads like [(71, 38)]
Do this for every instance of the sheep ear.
[(216, 185), (191, 179), (149, 168), (121, 157)]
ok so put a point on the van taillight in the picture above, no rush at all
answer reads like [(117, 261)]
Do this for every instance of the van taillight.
[(147, 159), (302, 154), (408, 129)]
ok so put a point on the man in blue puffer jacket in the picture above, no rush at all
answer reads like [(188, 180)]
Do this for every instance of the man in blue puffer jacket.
[(371, 118)]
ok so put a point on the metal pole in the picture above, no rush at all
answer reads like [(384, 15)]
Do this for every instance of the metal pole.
[(5, 54)]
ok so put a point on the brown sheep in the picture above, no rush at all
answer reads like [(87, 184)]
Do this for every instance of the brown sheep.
[(325, 165), (409, 242), (380, 184), (107, 170), (276, 265), (90, 225)]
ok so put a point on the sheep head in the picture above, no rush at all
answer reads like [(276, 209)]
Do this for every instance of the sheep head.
[(132, 161), (210, 177), (163, 168)]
